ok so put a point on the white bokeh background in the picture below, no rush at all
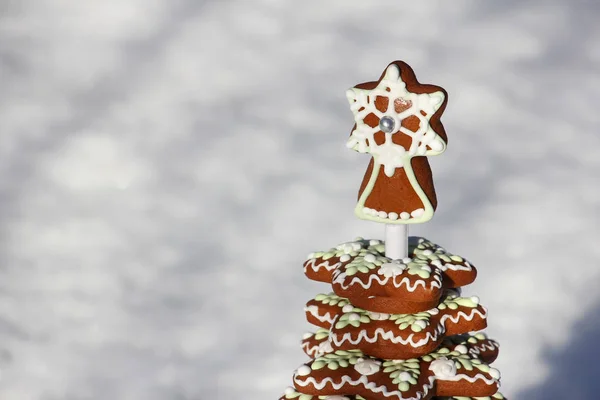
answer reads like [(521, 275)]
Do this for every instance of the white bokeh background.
[(166, 165)]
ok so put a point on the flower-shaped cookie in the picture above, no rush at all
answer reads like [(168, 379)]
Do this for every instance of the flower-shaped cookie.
[(396, 336), (320, 265), (292, 394), (397, 121), (443, 372), (360, 271)]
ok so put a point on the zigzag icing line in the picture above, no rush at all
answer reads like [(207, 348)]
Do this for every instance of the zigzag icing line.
[(388, 335), (314, 311), (482, 347), (363, 381), (324, 264), (471, 379), (309, 350), (453, 267), (382, 281)]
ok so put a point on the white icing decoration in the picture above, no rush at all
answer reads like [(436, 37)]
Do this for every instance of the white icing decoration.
[(461, 348), (307, 335), (388, 154), (336, 397), (289, 390), (404, 376), (494, 373), (370, 258), (367, 367), (475, 299), (353, 317), (347, 308), (378, 316), (443, 368), (314, 311), (324, 348), (381, 334), (410, 286), (391, 269), (303, 370), (363, 381)]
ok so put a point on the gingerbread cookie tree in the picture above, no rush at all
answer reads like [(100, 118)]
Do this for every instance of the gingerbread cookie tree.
[(395, 325)]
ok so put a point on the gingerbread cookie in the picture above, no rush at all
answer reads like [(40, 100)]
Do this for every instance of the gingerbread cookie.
[(496, 396), (394, 336), (397, 121), (479, 345), (316, 344), (320, 265), (360, 271), (444, 372), (291, 394)]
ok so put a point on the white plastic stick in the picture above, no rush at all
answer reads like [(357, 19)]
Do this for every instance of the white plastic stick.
[(396, 241)]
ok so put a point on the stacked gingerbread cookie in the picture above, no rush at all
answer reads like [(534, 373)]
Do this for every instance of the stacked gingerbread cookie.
[(394, 324)]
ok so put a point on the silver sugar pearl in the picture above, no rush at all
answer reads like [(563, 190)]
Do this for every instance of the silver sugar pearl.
[(387, 124)]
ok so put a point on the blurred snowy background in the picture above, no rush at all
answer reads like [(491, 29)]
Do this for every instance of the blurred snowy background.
[(165, 166)]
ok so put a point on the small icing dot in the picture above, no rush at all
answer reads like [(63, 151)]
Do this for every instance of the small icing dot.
[(289, 390), (307, 335), (345, 258), (325, 348), (367, 367), (427, 252), (475, 299), (404, 215), (393, 216), (417, 213), (420, 323), (347, 308), (404, 376), (461, 348), (370, 258), (303, 370), (494, 373), (382, 214), (353, 317)]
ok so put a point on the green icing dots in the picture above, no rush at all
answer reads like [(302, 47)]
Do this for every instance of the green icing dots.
[(364, 263), (352, 249), (332, 299), (404, 373), (299, 396), (354, 318), (497, 396), (292, 394), (452, 301), (420, 268), (417, 322), (321, 334), (427, 250), (337, 359), (460, 360)]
